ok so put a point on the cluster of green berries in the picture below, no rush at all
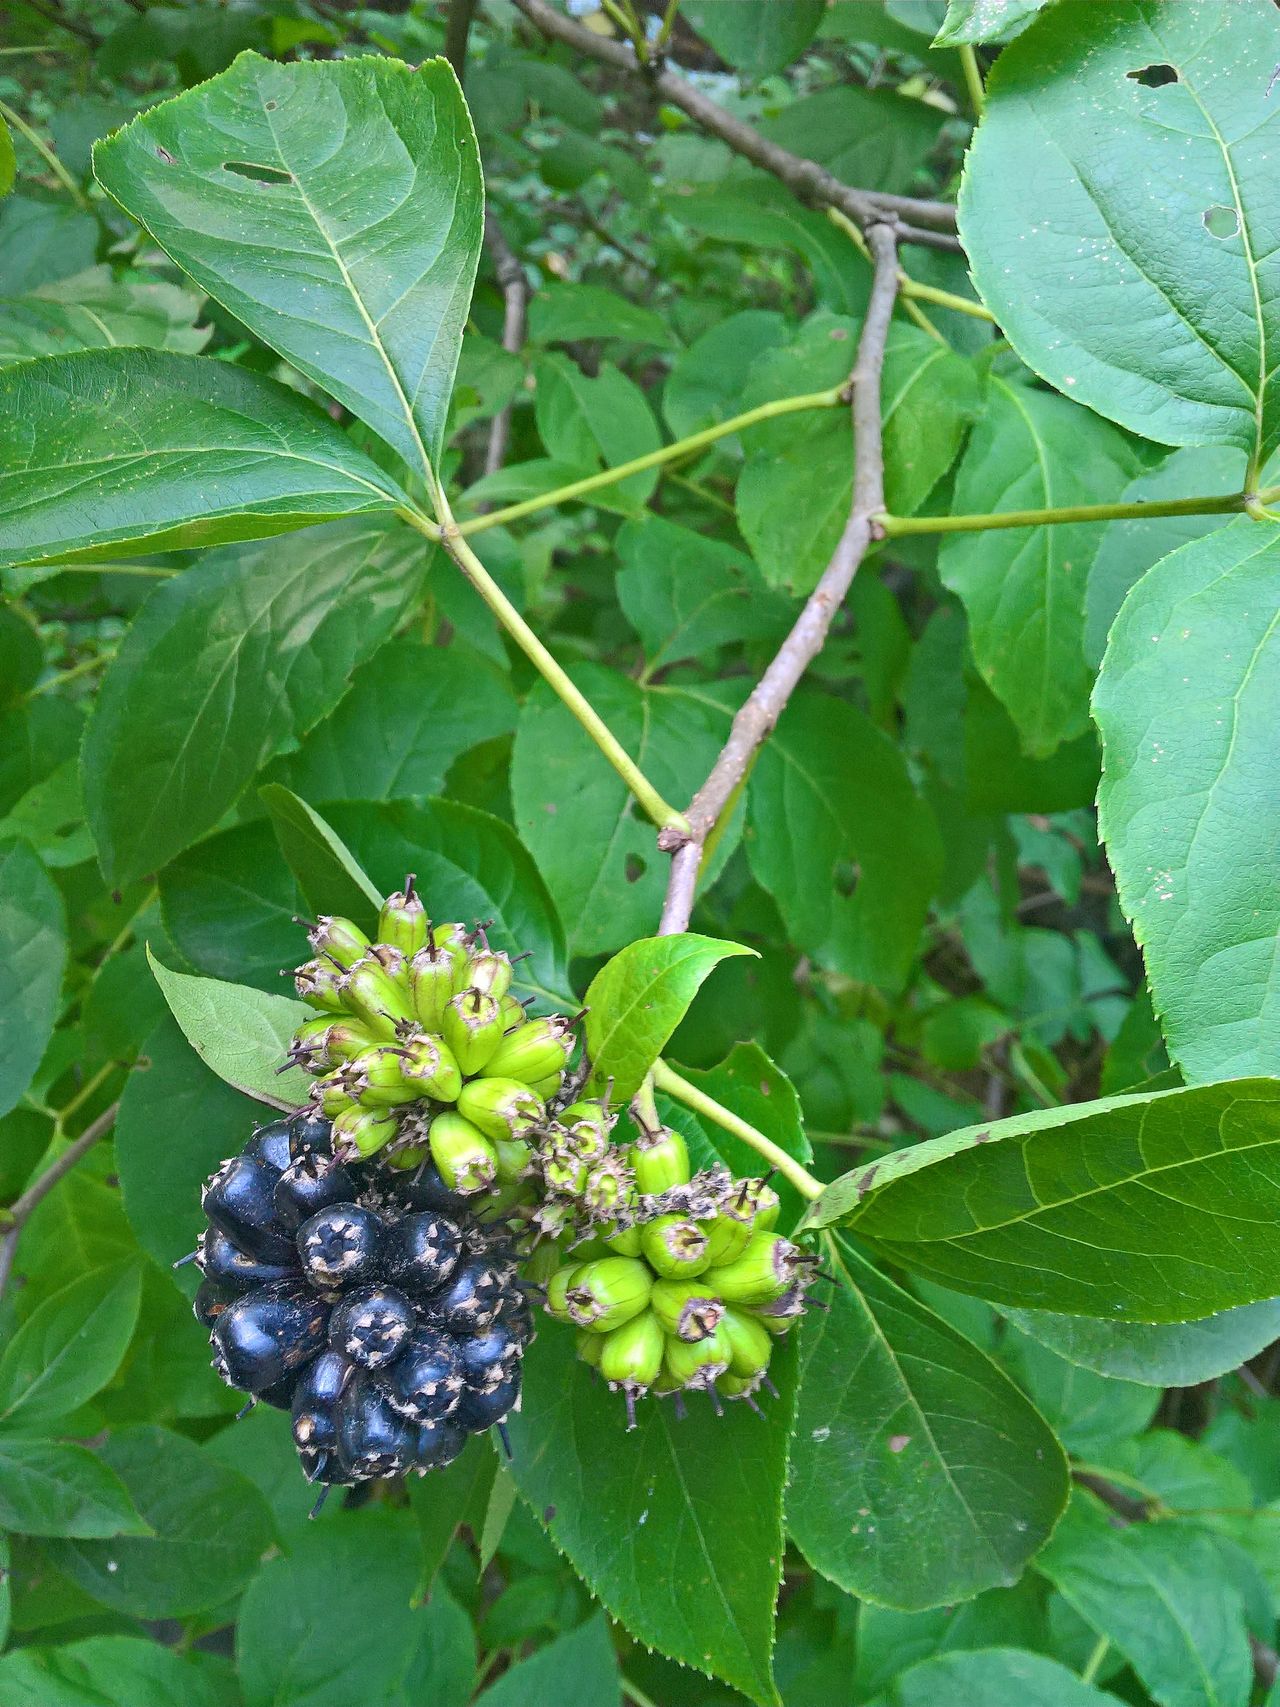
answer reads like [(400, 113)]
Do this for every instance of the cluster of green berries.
[(419, 1049), (684, 1283)]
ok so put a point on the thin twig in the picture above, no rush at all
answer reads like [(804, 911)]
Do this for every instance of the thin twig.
[(19, 1212), (806, 639), (805, 178), (515, 298), (457, 33)]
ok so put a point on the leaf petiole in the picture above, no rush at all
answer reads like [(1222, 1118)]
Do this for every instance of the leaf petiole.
[(666, 1079), (1229, 504)]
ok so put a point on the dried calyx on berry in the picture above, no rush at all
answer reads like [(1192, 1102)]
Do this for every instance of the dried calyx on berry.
[(362, 1297)]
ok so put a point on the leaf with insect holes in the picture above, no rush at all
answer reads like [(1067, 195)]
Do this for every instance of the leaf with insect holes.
[(1155, 1208), (1117, 206), (336, 208), (105, 452), (638, 998), (240, 1032)]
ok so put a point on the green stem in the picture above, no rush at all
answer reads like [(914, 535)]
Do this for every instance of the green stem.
[(655, 458), (973, 79), (892, 526), (1093, 1665), (907, 286), (72, 673), (662, 813), (635, 1694), (667, 1079), (46, 154)]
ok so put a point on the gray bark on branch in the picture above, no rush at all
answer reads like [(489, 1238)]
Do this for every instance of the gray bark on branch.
[(908, 215), (20, 1211), (769, 698)]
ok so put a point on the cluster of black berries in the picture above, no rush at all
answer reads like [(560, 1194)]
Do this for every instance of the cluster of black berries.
[(421, 1047), (675, 1280), (365, 1299)]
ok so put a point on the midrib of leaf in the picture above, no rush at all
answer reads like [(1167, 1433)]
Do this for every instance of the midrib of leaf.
[(375, 339), (1048, 578), (916, 1408)]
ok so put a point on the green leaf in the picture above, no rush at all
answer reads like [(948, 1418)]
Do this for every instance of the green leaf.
[(1132, 546), (577, 1670), (210, 1526), (1143, 1587), (68, 1349), (105, 452), (1024, 588), (33, 952), (1157, 311), (241, 1033), (95, 310), (994, 1677), (562, 313), (638, 999), (161, 1179), (442, 1669), (590, 423), (756, 1088), (1158, 1208), (919, 1473), (50, 1487), (327, 871), (42, 241), (102, 1671), (230, 906), (1189, 805), (578, 818), (706, 381), (412, 710), (862, 135), (1174, 1354), (985, 20), (469, 866), (456, 1495), (8, 160), (685, 594), (760, 39), (1092, 1415), (224, 667), (831, 793), (300, 1644), (336, 208), (676, 1527)]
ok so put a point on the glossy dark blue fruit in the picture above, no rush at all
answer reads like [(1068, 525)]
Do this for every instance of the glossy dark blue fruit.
[(310, 1134), (309, 1185), (423, 1188), (211, 1300), (239, 1201), (421, 1251), (471, 1299), (270, 1146), (266, 1335), (280, 1396), (370, 1324), (322, 1465), (425, 1382), (373, 1438), (225, 1263), (339, 1246), (517, 1315), (438, 1443), (490, 1358), (315, 1401), (478, 1411)]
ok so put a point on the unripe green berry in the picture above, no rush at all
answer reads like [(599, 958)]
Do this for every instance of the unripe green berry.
[(410, 1157), (428, 1065), (366, 1130), (750, 1343), (696, 1363), (374, 996), (430, 985), (785, 1308), (589, 1125), (562, 1171), (375, 1077), (607, 1188), (310, 1043), (659, 1160), (737, 1386), (334, 1100), (763, 1272), (502, 1108), (533, 1051), (689, 1309), (590, 1346), (674, 1246), (501, 1199), (515, 1158), (765, 1204), (608, 1292), (631, 1358), (472, 1027), (463, 1154), (557, 1291), (403, 920), (336, 938), (625, 1242), (489, 971), (320, 985), (548, 1087)]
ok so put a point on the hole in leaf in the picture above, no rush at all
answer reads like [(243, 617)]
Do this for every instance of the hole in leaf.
[(165, 155), (634, 869), (1222, 222), (1153, 76), (845, 878), (269, 106), (257, 174)]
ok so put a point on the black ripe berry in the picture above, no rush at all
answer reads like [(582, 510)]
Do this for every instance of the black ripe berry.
[(338, 1246), (363, 1298), (371, 1324)]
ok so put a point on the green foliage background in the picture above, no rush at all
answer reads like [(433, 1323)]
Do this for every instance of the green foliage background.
[(1030, 1451)]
